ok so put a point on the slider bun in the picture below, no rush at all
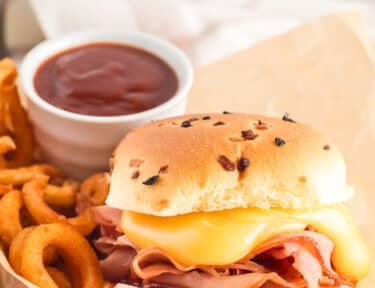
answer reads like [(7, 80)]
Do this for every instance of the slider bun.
[(307, 171)]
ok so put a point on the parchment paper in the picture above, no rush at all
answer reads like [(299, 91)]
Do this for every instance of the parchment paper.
[(323, 74)]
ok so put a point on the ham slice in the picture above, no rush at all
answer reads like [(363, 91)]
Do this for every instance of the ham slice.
[(195, 279), (291, 260), (106, 244), (116, 266), (311, 252), (149, 262), (109, 220)]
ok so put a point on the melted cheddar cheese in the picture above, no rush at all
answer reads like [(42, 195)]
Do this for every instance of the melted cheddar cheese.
[(219, 238)]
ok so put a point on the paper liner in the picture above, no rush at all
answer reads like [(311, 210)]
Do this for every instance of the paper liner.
[(323, 74)]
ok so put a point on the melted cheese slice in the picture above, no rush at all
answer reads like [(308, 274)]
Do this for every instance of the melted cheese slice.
[(220, 238)]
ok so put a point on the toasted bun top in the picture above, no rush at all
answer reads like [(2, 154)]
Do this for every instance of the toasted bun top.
[(193, 163)]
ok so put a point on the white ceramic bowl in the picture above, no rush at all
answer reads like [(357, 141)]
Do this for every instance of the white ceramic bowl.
[(82, 144)]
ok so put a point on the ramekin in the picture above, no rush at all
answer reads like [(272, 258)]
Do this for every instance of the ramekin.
[(82, 144)]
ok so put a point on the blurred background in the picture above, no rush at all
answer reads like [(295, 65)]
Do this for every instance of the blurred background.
[(205, 29)]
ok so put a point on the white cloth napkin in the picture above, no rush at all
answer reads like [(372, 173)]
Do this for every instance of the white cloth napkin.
[(205, 29)]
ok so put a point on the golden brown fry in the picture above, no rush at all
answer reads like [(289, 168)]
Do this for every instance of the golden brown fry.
[(5, 189), (60, 196), (33, 196), (59, 277), (73, 184), (6, 145), (16, 248), (10, 223), (79, 258), (20, 176), (96, 188), (84, 223), (26, 218), (50, 255), (3, 163), (13, 117)]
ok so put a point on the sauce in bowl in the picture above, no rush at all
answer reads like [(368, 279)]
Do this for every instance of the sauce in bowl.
[(105, 79)]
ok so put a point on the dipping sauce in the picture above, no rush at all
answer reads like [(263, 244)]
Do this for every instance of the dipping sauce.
[(105, 79)]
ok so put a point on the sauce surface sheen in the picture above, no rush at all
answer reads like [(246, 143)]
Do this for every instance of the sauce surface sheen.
[(105, 79)]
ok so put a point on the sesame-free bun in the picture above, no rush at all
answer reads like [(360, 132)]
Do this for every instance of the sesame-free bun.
[(192, 173)]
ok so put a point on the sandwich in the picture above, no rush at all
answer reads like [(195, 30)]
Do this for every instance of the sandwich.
[(229, 200)]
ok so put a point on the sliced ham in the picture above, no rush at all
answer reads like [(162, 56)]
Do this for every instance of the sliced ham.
[(117, 265), (195, 279), (151, 262), (291, 260), (319, 245), (120, 253), (308, 266), (107, 216), (311, 252), (109, 220), (106, 245)]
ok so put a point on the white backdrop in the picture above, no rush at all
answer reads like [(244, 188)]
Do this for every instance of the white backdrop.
[(205, 29)]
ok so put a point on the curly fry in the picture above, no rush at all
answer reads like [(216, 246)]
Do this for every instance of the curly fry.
[(50, 255), (13, 118), (10, 223), (16, 247), (73, 184), (79, 258), (26, 218), (60, 196), (5, 188), (33, 195), (6, 144), (84, 223), (23, 175), (59, 277), (96, 187), (3, 163)]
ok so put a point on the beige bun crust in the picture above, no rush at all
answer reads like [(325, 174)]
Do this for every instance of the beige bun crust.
[(308, 171)]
